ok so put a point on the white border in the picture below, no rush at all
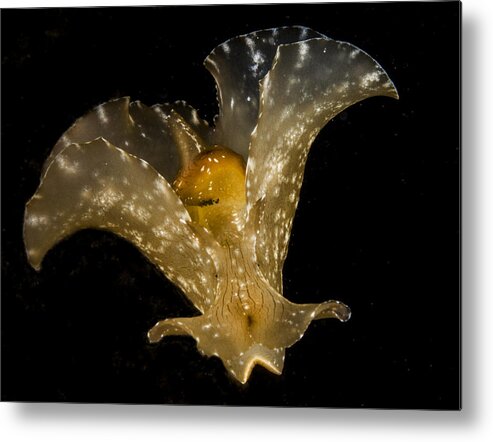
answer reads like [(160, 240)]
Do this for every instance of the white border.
[(55, 422)]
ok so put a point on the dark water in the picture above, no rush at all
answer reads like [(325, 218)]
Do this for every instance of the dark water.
[(377, 226)]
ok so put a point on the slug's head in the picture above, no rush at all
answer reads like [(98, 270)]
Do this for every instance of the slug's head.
[(212, 188)]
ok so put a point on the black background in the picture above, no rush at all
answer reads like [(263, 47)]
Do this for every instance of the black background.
[(377, 225)]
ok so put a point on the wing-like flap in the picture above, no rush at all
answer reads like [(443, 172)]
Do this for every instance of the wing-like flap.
[(97, 185), (310, 82), (188, 142), (132, 127), (237, 66), (189, 115)]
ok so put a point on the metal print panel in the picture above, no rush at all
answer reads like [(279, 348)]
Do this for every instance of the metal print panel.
[(175, 240)]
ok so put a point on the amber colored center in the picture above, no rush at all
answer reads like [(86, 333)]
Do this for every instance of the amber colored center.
[(212, 187)]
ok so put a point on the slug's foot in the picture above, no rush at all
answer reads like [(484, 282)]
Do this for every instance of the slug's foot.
[(242, 340)]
